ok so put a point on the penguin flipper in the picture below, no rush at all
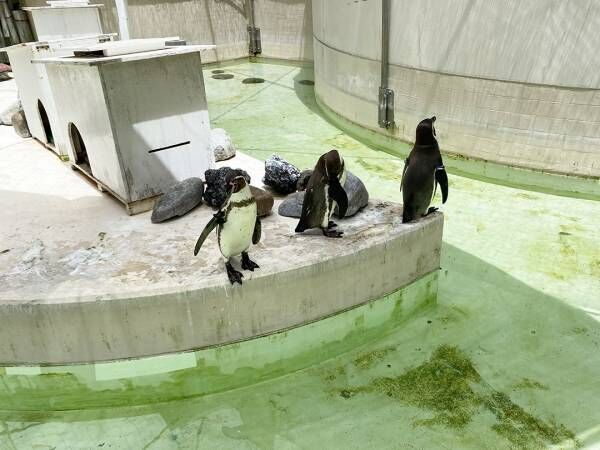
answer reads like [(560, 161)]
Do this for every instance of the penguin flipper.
[(337, 192), (217, 219), (406, 161), (257, 231), (441, 177), (306, 211)]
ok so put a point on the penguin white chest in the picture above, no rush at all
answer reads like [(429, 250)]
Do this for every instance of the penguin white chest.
[(235, 236)]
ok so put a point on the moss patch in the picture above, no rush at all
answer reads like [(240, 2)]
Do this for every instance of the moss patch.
[(366, 360), (449, 386), (526, 383)]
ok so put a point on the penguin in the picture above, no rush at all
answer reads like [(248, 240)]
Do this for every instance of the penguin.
[(323, 192), (238, 226), (423, 170)]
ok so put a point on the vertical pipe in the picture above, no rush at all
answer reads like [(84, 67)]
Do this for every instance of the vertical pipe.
[(385, 42), (123, 18), (386, 95)]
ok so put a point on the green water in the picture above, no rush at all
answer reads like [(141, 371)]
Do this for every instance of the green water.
[(509, 357)]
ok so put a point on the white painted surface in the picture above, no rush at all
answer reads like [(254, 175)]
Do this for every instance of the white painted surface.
[(32, 81), (124, 110), (59, 23)]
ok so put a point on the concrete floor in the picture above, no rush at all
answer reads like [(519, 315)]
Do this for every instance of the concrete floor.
[(508, 358)]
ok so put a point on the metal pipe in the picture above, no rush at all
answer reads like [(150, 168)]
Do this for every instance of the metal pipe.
[(123, 18), (386, 95), (385, 42), (254, 43)]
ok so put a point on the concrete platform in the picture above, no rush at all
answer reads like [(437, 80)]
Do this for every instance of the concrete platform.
[(81, 281)]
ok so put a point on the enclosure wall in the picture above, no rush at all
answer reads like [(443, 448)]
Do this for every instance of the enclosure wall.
[(510, 82)]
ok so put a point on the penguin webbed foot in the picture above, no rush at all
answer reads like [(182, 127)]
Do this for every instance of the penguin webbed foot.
[(247, 263), (328, 232), (331, 225), (431, 210), (233, 275)]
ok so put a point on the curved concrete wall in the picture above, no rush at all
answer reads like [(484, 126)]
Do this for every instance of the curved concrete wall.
[(511, 82)]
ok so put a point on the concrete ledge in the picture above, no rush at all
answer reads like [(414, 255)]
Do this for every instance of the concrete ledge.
[(80, 281), (184, 375), (302, 279)]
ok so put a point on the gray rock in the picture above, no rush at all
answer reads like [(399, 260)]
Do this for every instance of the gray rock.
[(303, 179), (280, 175), (264, 201), (217, 181), (221, 144), (358, 197), (7, 113), (292, 205), (19, 123), (178, 200)]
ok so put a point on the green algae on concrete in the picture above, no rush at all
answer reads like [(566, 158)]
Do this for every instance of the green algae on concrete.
[(449, 385), (174, 377)]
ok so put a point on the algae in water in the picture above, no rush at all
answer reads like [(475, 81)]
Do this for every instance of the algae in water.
[(449, 385)]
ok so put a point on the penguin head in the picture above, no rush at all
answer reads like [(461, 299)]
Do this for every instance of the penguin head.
[(334, 164), (237, 183), (426, 132)]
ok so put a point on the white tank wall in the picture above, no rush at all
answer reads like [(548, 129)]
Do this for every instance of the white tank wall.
[(510, 82)]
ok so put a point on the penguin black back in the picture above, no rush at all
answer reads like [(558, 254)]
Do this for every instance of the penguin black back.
[(323, 188), (422, 170)]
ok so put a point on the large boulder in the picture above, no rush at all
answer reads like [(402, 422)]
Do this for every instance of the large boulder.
[(280, 175), (7, 113), (357, 193), (178, 200), (264, 201), (217, 184), (221, 144), (19, 123)]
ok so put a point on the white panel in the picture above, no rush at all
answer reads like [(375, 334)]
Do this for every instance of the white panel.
[(79, 97), (157, 103), (59, 23)]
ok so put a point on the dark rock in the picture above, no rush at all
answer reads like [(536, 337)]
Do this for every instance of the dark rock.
[(264, 201), (217, 180), (303, 180), (281, 175), (178, 200), (291, 206), (19, 123), (358, 197)]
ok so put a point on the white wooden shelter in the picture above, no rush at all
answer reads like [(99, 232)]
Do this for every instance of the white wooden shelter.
[(34, 89), (137, 122)]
